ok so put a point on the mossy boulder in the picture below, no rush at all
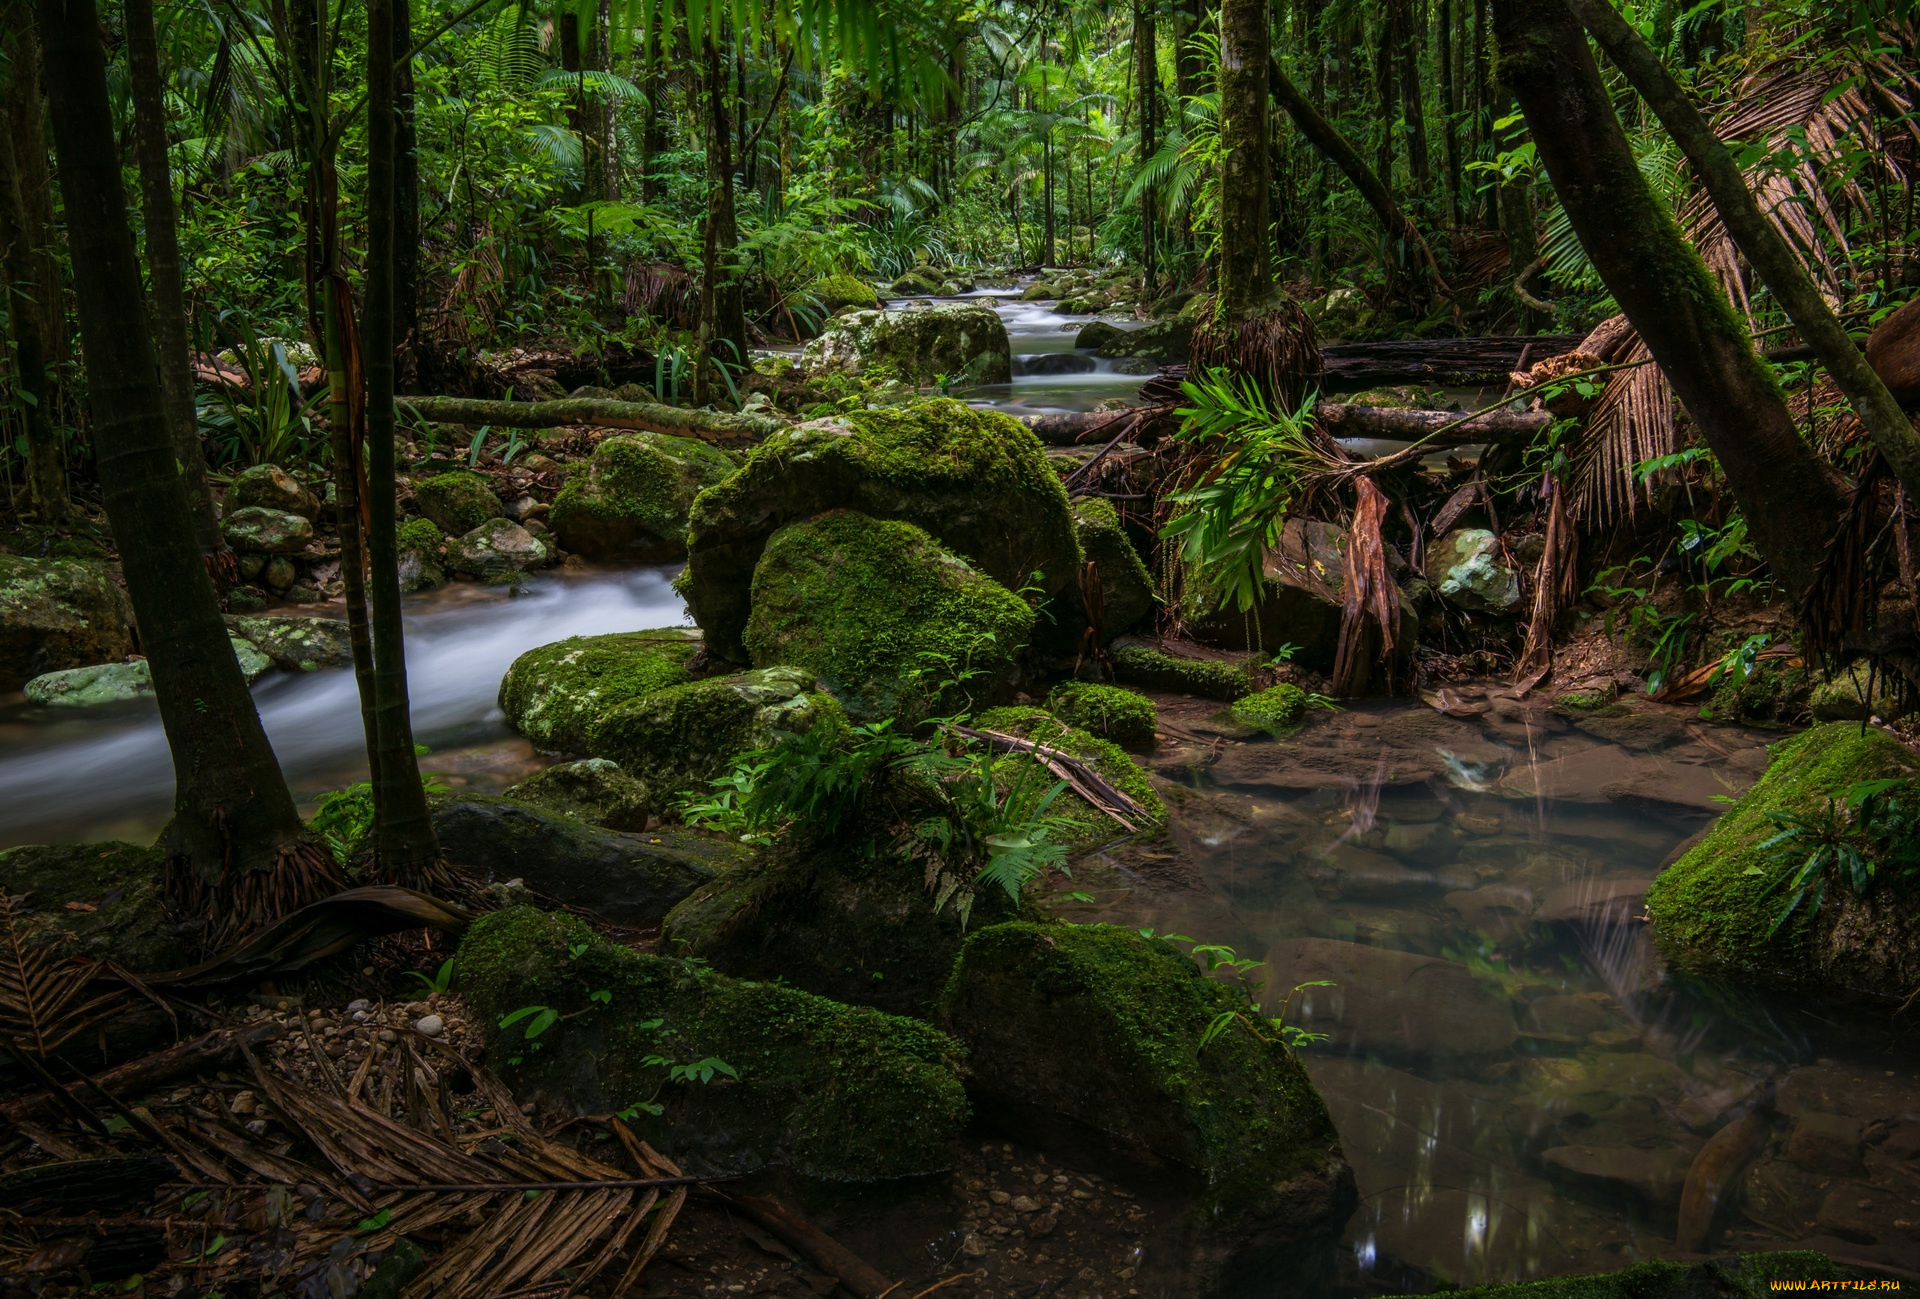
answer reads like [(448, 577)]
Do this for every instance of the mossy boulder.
[(422, 549), (1110, 712), (830, 1091), (458, 501), (1746, 1276), (1126, 590), (1086, 824), (1141, 664), (273, 488), (1853, 694), (257, 530), (630, 503), (555, 693), (678, 739), (593, 789), (499, 550), (1166, 342), (115, 888), (1470, 570), (120, 683), (837, 291), (297, 644), (1276, 708), (920, 282), (631, 879), (879, 611), (1714, 909), (963, 343), (977, 481), (1091, 1036)]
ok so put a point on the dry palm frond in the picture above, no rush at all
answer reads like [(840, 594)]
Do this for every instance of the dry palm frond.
[(1631, 422), (43, 996), (1370, 613)]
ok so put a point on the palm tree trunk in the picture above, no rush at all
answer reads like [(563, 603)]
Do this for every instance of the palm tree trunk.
[(236, 849), (406, 202), (1246, 264), (1449, 109), (1791, 498), (1412, 103)]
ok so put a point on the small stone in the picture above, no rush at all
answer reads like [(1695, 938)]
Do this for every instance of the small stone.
[(358, 1003), (1025, 1204), (1042, 1225), (386, 1035), (973, 1247), (429, 1025), (999, 1197), (361, 1017), (243, 1103), (258, 1127)]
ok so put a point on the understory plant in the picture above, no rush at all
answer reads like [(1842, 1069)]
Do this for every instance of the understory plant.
[(1870, 831)]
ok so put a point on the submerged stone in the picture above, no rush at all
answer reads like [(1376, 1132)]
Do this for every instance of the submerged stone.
[(830, 1091), (593, 789), (1126, 589), (458, 501), (259, 530), (1747, 1276), (884, 616), (630, 503), (554, 694), (1391, 1003)]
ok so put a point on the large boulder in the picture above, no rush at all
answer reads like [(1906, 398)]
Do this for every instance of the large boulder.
[(837, 291), (1166, 342), (961, 343), (555, 693), (830, 1091), (1717, 910), (273, 488), (593, 789), (59, 613), (881, 614), (457, 501), (678, 739), (1094, 1040), (630, 504), (977, 481), (499, 550), (1126, 589), (631, 879), (297, 644), (257, 530), (1470, 571)]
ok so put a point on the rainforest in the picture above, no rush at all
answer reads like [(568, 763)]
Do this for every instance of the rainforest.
[(1199, 649)]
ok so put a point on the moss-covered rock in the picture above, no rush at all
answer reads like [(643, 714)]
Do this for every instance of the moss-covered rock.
[(977, 481), (1095, 1032), (837, 291), (1747, 1276), (593, 789), (1847, 696), (630, 504), (258, 530), (274, 488), (120, 683), (1714, 909), (297, 644), (963, 343), (116, 889), (1279, 707), (1469, 569), (1126, 590), (457, 501), (830, 1091), (1110, 712), (554, 694), (678, 739), (1166, 342), (499, 550), (920, 282), (881, 614), (1087, 825), (1141, 664), (422, 547)]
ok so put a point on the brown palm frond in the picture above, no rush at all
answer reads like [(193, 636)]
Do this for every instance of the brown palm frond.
[(1632, 421), (1278, 349), (1370, 612), (43, 995)]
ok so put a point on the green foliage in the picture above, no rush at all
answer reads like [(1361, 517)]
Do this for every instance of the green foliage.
[(1871, 829), (1110, 712), (1281, 706)]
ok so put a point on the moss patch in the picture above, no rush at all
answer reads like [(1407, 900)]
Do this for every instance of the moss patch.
[(1142, 665), (1106, 757), (1126, 589), (458, 501), (119, 882), (1123, 716), (832, 1091), (1712, 917), (555, 694), (631, 503), (1281, 706), (837, 291)]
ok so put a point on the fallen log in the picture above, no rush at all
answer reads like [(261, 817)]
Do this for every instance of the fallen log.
[(599, 412), (1339, 419), (219, 1049), (1352, 366)]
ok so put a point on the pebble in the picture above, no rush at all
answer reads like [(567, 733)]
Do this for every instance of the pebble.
[(999, 1197), (258, 1127), (242, 1103), (358, 1006), (1025, 1204), (385, 1035), (429, 1025)]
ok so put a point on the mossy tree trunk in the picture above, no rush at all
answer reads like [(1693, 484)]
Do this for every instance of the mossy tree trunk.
[(1791, 498), (723, 318), (1245, 285), (1146, 79), (236, 848)]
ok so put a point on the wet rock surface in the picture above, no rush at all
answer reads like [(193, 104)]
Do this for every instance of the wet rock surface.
[(57, 614)]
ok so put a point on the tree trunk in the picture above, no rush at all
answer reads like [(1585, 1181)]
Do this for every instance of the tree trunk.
[(1146, 80), (1791, 498), (1246, 266), (1412, 102), (1879, 412), (406, 200), (1449, 109), (35, 313), (167, 294), (1046, 201), (1384, 87), (235, 846), (1402, 235), (723, 321), (676, 421), (405, 846), (1483, 101)]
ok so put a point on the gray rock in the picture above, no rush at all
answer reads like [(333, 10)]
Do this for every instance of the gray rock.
[(119, 683), (964, 342), (298, 644), (59, 613), (273, 488), (496, 551), (593, 789), (1098, 333), (279, 573), (264, 531), (1469, 571), (1165, 341)]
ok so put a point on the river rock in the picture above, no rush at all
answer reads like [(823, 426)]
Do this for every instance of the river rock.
[(1827, 1145), (1715, 909), (678, 739), (920, 282), (865, 603), (837, 291), (1166, 342), (631, 879), (833, 1092), (422, 547), (457, 501), (496, 551), (593, 789), (115, 892), (1397, 1004), (1098, 333), (1469, 571), (1090, 1034), (1138, 661), (297, 644), (962, 343), (59, 613), (273, 488), (554, 694), (977, 481), (630, 504), (1126, 589), (1845, 696), (119, 683), (1109, 712), (259, 530)]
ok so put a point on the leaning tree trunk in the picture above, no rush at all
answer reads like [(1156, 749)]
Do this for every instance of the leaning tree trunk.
[(1251, 329), (236, 850), (167, 291), (1879, 412), (1791, 498), (405, 847), (34, 308)]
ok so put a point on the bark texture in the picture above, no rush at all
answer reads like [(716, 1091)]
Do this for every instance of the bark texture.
[(1245, 266)]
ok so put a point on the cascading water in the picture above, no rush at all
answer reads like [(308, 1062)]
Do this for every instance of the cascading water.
[(1049, 373)]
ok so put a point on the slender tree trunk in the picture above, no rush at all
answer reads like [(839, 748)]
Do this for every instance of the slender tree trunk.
[(653, 141), (1246, 261), (1046, 201), (405, 845), (1790, 496), (406, 202), (1483, 104), (236, 848), (35, 312), (1146, 80), (1314, 19), (167, 293), (1763, 245), (723, 322), (1449, 108), (605, 119), (1412, 102), (1385, 89), (1403, 237)]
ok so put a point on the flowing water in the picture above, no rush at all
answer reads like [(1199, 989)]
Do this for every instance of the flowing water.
[(1050, 374)]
